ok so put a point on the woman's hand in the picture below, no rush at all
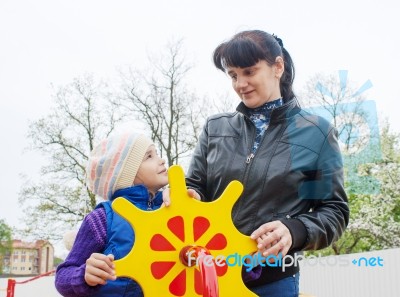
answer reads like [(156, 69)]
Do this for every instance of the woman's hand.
[(99, 269), (272, 238), (167, 198)]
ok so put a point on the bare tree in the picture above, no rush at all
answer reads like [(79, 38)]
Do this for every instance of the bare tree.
[(82, 114), (336, 97), (160, 98)]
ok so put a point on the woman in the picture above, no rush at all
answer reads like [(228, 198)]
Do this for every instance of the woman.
[(287, 159)]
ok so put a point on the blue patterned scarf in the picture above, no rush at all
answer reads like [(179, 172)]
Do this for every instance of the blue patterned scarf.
[(261, 116)]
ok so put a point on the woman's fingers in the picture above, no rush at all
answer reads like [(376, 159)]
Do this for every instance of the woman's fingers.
[(273, 238)]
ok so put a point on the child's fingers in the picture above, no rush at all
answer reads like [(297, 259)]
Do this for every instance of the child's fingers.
[(192, 193), (166, 197), (93, 280), (95, 276), (99, 269), (102, 262)]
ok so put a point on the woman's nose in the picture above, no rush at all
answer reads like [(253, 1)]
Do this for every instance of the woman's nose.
[(241, 82)]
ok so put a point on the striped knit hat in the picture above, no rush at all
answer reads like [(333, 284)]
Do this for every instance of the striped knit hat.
[(113, 164)]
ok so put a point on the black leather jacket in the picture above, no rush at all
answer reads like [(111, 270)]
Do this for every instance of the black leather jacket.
[(295, 176)]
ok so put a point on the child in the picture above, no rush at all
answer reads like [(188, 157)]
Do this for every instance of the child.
[(128, 166)]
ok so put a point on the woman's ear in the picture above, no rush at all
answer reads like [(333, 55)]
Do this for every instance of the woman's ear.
[(279, 67)]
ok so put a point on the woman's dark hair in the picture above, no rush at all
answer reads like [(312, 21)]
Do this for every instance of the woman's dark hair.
[(247, 48)]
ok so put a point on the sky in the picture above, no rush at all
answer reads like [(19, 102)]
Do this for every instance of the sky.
[(47, 43)]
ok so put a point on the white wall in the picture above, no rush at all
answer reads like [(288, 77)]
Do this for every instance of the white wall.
[(338, 276)]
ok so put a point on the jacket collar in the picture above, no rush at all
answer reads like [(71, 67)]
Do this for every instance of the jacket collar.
[(139, 195), (287, 110)]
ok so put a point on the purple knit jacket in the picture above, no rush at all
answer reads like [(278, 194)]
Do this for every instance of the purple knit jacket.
[(91, 238)]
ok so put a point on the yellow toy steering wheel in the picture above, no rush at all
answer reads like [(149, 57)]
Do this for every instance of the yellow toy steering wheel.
[(170, 241)]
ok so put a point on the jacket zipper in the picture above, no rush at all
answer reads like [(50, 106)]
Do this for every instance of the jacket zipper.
[(249, 158), (247, 166), (251, 155), (150, 202)]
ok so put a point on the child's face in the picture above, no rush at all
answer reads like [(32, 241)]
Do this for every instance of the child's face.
[(152, 172)]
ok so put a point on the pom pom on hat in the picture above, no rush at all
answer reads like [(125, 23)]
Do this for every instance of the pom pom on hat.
[(113, 164), (69, 239)]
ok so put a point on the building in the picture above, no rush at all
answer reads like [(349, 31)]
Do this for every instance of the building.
[(29, 258)]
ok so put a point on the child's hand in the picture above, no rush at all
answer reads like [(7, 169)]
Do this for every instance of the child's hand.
[(99, 269), (192, 193), (167, 198)]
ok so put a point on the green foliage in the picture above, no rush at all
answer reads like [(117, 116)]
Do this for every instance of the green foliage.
[(374, 218), (5, 242), (57, 261)]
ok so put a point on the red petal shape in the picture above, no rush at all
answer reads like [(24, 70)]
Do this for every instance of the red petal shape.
[(176, 225), (160, 269), (178, 286), (222, 268), (200, 226), (198, 282), (160, 243), (218, 242)]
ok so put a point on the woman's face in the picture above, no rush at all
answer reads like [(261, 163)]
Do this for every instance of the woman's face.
[(257, 84)]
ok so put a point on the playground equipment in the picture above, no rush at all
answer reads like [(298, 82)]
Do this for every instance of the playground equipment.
[(12, 282), (190, 248)]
